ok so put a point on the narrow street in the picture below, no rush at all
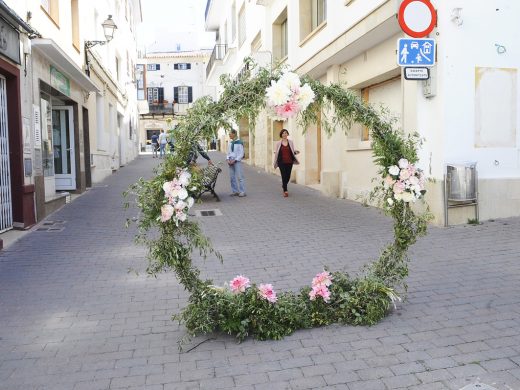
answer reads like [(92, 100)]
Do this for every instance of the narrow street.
[(75, 315)]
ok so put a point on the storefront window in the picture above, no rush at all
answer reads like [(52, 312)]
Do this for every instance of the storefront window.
[(47, 147)]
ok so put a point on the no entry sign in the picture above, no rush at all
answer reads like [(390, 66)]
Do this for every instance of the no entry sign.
[(417, 18)]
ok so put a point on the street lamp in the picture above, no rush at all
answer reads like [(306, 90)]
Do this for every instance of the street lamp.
[(109, 27)]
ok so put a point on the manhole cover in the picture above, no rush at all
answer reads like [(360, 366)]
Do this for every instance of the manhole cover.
[(208, 213)]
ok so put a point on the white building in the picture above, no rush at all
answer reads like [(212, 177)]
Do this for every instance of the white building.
[(467, 112), (78, 115), (168, 85)]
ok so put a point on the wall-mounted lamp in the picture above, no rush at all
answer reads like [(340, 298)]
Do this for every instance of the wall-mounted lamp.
[(109, 27)]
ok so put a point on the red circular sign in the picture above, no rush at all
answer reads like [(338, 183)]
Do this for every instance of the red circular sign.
[(417, 18)]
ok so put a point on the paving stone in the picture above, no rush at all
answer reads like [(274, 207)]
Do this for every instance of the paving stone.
[(76, 319)]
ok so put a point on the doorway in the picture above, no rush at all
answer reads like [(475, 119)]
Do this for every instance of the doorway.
[(6, 209), (63, 147)]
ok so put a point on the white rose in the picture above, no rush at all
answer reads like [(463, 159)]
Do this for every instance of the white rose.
[(394, 170), (390, 201), (408, 197)]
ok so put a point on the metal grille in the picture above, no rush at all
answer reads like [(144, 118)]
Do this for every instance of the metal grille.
[(6, 212)]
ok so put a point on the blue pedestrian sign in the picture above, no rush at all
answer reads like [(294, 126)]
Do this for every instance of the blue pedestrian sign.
[(415, 52)]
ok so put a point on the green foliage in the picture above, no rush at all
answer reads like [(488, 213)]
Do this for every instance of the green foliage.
[(360, 301)]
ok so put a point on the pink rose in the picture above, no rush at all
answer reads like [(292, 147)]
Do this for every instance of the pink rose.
[(166, 212)]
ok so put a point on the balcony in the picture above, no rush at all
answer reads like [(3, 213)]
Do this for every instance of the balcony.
[(218, 54), (165, 109)]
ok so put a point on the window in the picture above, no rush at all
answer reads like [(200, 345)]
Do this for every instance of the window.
[(74, 13), (51, 9), (318, 8), (182, 66), (233, 22), (118, 69), (280, 36), (183, 94), (140, 81), (284, 39), (153, 67), (242, 25), (155, 95), (313, 14)]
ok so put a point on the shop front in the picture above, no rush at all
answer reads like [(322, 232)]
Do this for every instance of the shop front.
[(60, 103)]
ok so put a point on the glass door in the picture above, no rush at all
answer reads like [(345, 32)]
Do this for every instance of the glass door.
[(63, 147)]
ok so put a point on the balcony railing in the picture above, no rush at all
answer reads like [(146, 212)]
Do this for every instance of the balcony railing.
[(218, 53)]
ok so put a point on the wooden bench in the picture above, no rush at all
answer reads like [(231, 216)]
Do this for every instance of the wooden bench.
[(209, 179)]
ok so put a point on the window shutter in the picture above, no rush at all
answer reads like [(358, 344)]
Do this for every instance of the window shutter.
[(176, 94), (161, 95), (188, 66), (190, 94), (176, 66), (157, 66)]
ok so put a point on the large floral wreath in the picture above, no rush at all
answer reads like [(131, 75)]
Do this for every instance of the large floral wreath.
[(243, 308)]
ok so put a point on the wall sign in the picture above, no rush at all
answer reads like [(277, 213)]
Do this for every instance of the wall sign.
[(60, 81), (9, 42)]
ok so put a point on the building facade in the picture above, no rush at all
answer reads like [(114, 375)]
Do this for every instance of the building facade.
[(168, 85), (466, 112), (72, 103)]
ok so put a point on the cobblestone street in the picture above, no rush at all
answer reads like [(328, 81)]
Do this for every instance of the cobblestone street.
[(75, 315)]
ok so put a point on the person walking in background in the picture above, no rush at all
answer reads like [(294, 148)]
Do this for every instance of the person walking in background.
[(163, 140), (235, 154), (284, 158), (155, 144)]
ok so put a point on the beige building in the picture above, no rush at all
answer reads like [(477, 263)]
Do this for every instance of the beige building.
[(78, 95), (466, 112)]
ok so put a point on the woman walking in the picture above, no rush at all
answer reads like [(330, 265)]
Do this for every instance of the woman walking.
[(284, 158)]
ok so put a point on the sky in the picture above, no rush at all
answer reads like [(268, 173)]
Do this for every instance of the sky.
[(172, 24)]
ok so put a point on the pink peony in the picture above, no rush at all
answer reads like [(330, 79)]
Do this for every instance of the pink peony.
[(322, 279), (288, 109), (166, 212), (398, 187), (320, 291), (389, 181), (239, 284), (267, 292), (405, 174)]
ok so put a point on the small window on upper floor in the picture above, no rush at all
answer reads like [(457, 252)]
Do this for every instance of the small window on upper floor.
[(313, 15), (74, 14), (51, 8), (182, 66), (152, 67), (280, 36), (242, 25)]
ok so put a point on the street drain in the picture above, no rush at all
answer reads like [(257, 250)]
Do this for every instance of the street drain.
[(208, 213)]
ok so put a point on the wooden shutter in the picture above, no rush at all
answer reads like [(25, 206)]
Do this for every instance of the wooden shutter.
[(157, 66), (160, 94), (175, 94), (188, 66), (176, 66), (190, 94)]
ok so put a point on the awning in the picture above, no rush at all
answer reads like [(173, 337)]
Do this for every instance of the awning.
[(50, 50)]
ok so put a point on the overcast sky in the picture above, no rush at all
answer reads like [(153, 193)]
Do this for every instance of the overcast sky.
[(168, 24)]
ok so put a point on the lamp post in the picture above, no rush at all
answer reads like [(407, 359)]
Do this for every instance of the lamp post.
[(109, 27)]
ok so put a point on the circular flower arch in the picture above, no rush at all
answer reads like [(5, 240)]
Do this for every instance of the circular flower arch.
[(243, 308)]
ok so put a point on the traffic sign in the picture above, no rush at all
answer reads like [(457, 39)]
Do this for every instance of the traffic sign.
[(417, 18), (415, 52), (416, 73)]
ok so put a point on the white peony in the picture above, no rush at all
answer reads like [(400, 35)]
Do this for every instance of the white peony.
[(190, 202), (390, 201), (408, 197), (306, 96), (182, 193), (184, 178), (291, 80), (278, 94)]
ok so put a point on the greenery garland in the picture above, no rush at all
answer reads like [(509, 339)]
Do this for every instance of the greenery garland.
[(257, 311)]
